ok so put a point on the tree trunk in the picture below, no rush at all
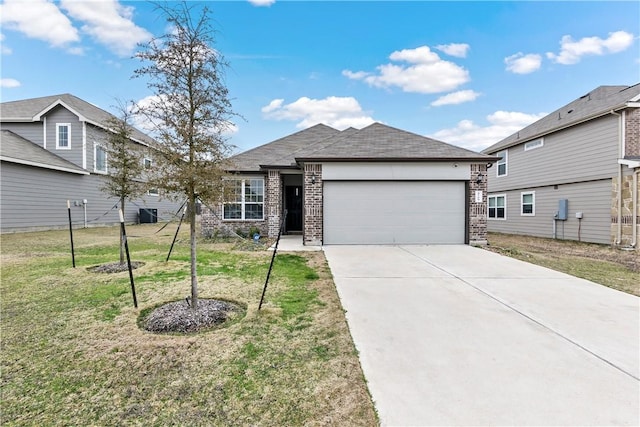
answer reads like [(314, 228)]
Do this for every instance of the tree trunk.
[(192, 232), (122, 235)]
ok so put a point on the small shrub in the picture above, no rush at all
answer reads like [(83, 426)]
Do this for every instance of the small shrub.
[(253, 231)]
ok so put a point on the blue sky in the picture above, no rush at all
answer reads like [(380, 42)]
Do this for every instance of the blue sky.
[(467, 73)]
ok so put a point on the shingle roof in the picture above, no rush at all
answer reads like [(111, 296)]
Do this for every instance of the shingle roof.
[(16, 149), (594, 104), (27, 109), (376, 142), (282, 151)]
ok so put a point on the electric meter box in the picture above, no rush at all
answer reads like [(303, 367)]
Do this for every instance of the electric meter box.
[(563, 209)]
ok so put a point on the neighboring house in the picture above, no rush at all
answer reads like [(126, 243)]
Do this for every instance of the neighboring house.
[(51, 151), (377, 185), (574, 173)]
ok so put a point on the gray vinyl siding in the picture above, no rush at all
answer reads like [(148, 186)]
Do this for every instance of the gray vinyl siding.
[(94, 136), (593, 199), (582, 153), (62, 115), (36, 198), (32, 131)]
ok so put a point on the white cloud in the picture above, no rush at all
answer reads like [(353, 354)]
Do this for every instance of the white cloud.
[(262, 2), (458, 50), (109, 22), (426, 72), (456, 98), (571, 52), (475, 137), (39, 19), (337, 112), (3, 48), (9, 83), (355, 76), (523, 64)]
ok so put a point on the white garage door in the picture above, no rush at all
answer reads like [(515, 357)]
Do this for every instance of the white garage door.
[(394, 212)]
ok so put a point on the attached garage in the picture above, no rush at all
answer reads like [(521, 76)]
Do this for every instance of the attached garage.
[(394, 212)]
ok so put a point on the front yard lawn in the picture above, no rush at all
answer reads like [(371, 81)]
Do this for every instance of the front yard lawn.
[(615, 268), (73, 353)]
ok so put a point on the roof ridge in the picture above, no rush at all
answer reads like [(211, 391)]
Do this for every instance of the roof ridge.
[(594, 103)]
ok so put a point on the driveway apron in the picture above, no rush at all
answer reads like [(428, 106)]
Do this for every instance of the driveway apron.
[(457, 335)]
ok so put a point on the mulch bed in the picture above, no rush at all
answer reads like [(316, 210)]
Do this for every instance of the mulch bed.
[(115, 267), (178, 317)]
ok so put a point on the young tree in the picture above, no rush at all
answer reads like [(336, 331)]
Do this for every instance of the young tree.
[(124, 179), (190, 110)]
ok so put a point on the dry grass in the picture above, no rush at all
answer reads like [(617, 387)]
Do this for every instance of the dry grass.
[(615, 268), (73, 354)]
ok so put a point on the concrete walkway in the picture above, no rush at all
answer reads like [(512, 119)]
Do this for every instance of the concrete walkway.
[(456, 335), (293, 243)]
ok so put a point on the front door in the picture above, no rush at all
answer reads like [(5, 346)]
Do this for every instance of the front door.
[(293, 205)]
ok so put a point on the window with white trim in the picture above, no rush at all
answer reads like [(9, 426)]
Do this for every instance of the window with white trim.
[(153, 192), (528, 203), (147, 163), (63, 136), (99, 159), (247, 200), (536, 143), (497, 206), (501, 169)]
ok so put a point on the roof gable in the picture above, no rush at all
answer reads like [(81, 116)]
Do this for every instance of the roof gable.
[(281, 152), (30, 110), (596, 103)]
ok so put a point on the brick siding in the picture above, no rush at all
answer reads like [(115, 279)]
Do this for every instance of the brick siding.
[(632, 132), (478, 210), (312, 203), (212, 223)]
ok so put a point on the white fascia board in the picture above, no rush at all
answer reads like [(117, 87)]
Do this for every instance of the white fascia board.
[(38, 116), (42, 165), (633, 164)]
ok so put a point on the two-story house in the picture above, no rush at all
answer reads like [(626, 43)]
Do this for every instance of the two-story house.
[(574, 173), (52, 149)]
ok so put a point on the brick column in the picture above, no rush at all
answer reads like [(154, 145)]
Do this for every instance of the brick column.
[(632, 132), (312, 204), (478, 210), (273, 202)]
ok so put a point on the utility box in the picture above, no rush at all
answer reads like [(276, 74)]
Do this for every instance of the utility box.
[(563, 209), (148, 216), (579, 215)]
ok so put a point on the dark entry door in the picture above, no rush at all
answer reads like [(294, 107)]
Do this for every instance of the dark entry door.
[(293, 205)]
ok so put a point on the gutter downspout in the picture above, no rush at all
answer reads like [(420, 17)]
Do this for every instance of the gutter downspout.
[(619, 195)]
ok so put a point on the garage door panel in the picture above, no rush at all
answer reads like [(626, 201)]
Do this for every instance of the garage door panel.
[(393, 212)]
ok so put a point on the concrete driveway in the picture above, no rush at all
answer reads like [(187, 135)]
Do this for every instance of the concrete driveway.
[(456, 335)]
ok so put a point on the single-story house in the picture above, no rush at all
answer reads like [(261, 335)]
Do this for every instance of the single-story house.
[(573, 174), (376, 185), (52, 149)]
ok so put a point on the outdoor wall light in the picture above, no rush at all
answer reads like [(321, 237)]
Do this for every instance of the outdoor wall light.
[(313, 178), (479, 179)]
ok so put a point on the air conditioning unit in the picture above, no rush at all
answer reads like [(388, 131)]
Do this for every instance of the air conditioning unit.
[(148, 216)]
